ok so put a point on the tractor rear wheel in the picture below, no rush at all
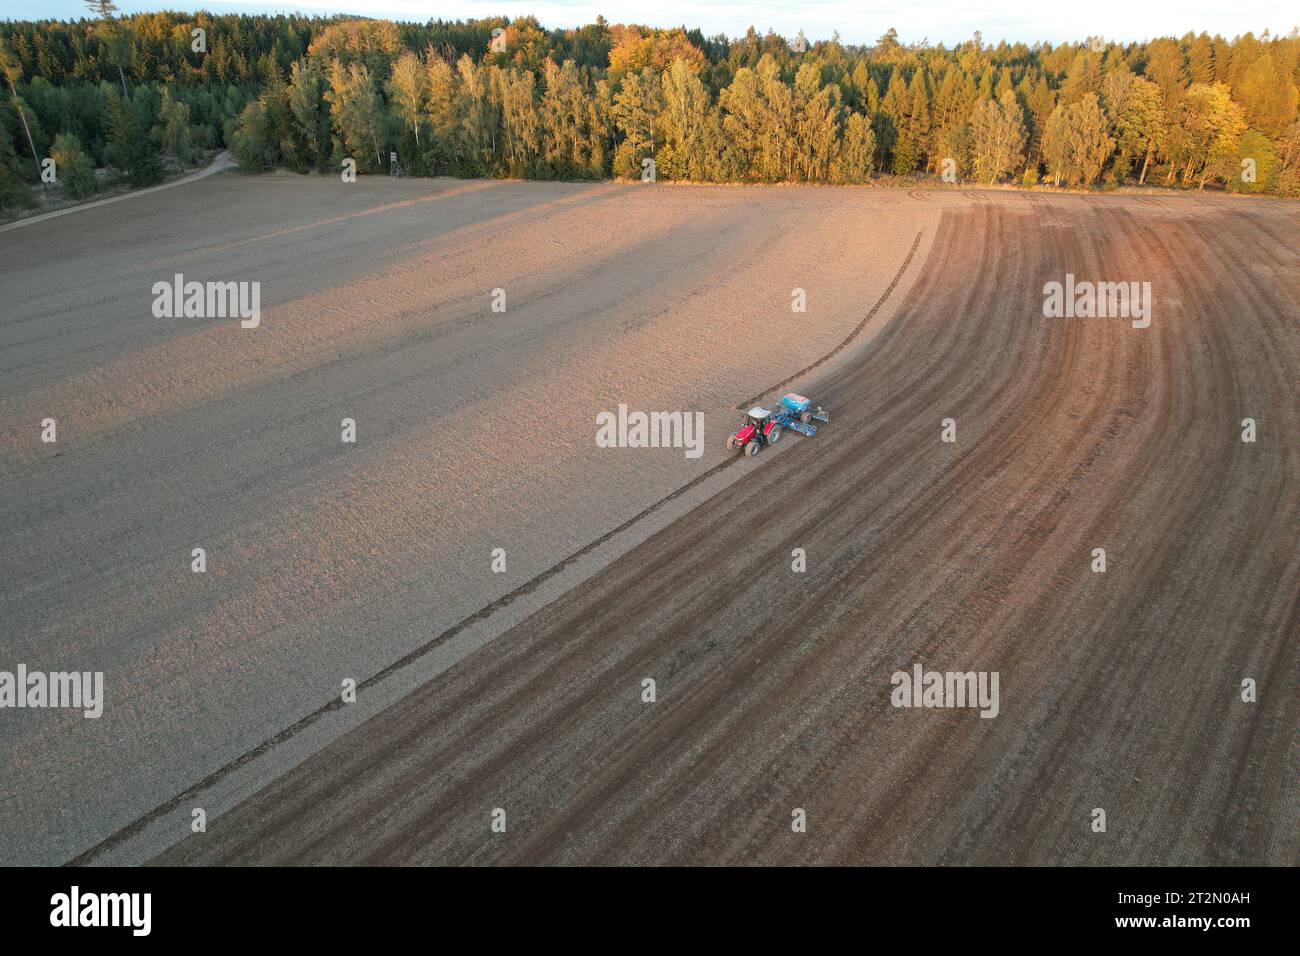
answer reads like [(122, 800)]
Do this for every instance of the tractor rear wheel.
[(751, 449)]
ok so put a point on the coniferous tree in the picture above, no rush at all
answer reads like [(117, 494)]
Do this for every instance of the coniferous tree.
[(13, 71), (600, 127), (636, 105), (442, 98), (1084, 77), (1288, 161), (1268, 95), (855, 153), (15, 193), (1166, 68), (174, 131), (913, 128), (893, 113), (953, 102), (1200, 60), (1040, 103), (311, 119), (115, 40), (130, 148)]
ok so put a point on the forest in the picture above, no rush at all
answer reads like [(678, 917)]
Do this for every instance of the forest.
[(128, 98)]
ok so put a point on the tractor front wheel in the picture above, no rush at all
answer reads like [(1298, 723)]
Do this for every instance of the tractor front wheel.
[(731, 443), (774, 435), (751, 449)]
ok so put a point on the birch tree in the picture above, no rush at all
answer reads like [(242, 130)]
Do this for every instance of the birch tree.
[(997, 138)]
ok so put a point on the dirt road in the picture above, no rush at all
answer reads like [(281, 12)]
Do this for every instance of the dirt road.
[(221, 162), (1119, 691)]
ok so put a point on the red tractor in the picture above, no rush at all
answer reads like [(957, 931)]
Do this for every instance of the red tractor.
[(758, 430)]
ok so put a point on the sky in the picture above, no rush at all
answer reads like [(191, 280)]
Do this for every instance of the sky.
[(939, 21)]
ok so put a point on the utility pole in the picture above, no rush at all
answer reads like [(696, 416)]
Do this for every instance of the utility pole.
[(12, 71)]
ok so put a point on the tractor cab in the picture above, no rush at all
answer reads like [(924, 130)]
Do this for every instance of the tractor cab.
[(758, 429), (755, 424)]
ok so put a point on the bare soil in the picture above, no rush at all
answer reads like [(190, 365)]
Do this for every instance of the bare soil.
[(1119, 690), (476, 430)]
